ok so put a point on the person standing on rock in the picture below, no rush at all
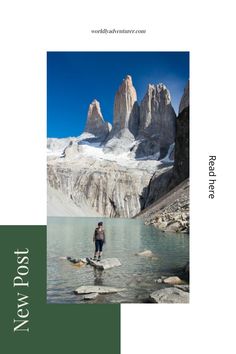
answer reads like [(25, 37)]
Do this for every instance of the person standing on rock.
[(99, 239)]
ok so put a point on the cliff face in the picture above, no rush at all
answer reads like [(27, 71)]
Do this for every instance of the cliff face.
[(125, 119), (107, 187), (159, 185), (167, 196), (157, 122), (125, 114), (181, 164), (184, 103)]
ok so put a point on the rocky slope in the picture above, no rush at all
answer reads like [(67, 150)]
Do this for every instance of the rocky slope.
[(61, 205), (112, 171), (167, 196), (171, 212)]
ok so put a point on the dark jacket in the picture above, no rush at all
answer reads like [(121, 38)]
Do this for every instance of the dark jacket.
[(99, 234)]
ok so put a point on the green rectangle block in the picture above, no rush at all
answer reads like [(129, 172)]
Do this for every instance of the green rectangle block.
[(55, 328)]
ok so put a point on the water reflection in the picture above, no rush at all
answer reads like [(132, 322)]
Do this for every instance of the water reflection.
[(98, 276)]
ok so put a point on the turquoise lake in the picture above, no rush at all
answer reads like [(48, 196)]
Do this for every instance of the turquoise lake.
[(72, 236)]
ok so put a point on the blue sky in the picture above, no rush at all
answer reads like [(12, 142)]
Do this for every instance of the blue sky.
[(74, 79)]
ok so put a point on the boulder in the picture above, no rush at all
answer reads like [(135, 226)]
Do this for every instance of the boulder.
[(170, 296), (173, 280), (89, 289), (174, 226)]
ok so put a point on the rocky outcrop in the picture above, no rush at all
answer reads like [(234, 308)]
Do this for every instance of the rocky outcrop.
[(157, 122), (170, 295), (125, 107), (125, 119), (160, 185), (95, 123), (167, 196), (148, 130)]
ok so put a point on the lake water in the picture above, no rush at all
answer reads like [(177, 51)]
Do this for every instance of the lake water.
[(72, 236)]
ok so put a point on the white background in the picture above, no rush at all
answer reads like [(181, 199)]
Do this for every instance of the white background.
[(206, 29)]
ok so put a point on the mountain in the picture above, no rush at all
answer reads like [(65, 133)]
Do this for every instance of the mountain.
[(113, 170), (146, 130)]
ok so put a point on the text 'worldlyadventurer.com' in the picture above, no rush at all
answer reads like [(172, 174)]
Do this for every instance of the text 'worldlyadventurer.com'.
[(118, 31)]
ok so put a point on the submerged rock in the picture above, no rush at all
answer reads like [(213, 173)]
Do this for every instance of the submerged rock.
[(91, 296), (170, 296), (105, 263), (96, 289), (78, 262), (146, 253)]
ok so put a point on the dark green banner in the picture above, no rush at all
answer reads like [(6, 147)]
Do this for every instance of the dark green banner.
[(28, 323)]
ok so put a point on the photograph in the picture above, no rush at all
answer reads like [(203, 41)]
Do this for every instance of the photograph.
[(118, 177), (105, 177)]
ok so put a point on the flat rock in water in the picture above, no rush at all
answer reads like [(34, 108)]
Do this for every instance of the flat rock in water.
[(170, 296), (91, 296), (96, 289), (106, 263)]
